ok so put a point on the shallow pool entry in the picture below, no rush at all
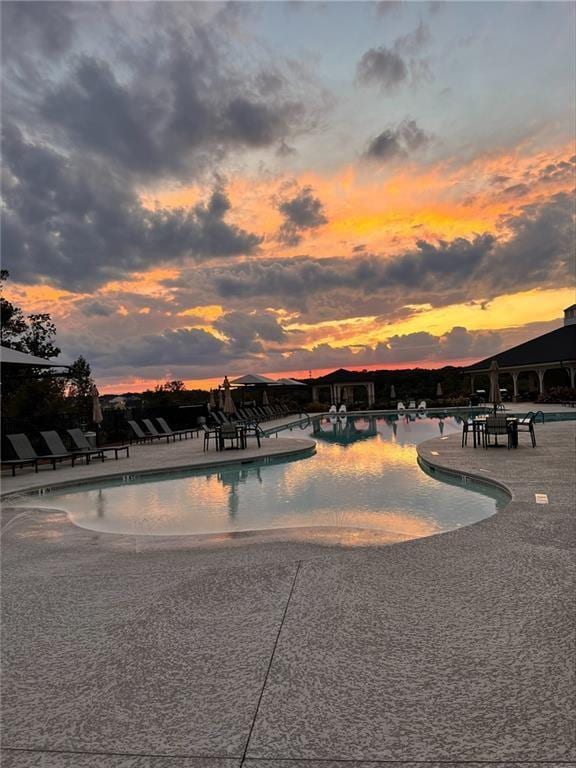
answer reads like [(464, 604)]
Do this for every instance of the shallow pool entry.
[(364, 476)]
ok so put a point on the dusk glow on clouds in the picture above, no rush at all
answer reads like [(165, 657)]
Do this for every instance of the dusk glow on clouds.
[(201, 189)]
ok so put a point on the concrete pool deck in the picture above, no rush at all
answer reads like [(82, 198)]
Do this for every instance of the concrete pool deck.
[(456, 649)]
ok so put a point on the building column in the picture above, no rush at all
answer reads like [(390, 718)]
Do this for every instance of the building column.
[(541, 372), (315, 394), (515, 375), (472, 381), (572, 372), (371, 394)]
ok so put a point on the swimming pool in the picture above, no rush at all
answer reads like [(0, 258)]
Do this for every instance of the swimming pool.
[(364, 476)]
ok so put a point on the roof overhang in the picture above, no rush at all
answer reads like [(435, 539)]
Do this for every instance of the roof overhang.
[(14, 357)]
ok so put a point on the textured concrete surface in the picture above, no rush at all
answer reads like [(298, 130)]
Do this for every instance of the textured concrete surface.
[(459, 647), (22, 759)]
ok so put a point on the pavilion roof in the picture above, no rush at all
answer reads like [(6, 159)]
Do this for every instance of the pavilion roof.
[(554, 347)]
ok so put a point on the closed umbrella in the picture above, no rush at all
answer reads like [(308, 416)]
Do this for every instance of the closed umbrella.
[(439, 392), (495, 396), (211, 400), (392, 393), (97, 416), (229, 408), (220, 400)]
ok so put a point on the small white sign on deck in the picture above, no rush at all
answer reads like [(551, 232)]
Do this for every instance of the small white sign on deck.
[(434, 453), (541, 498)]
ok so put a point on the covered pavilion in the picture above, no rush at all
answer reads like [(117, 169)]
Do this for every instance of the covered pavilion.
[(555, 350)]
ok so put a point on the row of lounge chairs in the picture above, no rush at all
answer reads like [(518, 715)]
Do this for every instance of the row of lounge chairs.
[(251, 414), (147, 432), (27, 456), (412, 406)]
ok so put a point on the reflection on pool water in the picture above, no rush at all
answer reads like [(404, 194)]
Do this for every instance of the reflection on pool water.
[(364, 475)]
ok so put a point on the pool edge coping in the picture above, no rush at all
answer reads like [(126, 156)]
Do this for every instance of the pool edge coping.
[(51, 486)]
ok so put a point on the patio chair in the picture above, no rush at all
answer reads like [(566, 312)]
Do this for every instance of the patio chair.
[(467, 427), (251, 429), (57, 448), (82, 444), (141, 436), (162, 423), (228, 432), (25, 452), (495, 426), (209, 434), (526, 424)]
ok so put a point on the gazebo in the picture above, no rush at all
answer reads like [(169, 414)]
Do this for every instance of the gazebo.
[(341, 384)]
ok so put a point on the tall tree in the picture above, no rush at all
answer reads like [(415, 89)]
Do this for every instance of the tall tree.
[(33, 333), (80, 390)]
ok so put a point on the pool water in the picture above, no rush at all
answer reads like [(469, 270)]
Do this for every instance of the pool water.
[(363, 476)]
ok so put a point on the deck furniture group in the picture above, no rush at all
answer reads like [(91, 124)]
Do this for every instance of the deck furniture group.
[(54, 447), (499, 430)]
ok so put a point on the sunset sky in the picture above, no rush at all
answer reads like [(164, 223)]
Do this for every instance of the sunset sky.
[(200, 189)]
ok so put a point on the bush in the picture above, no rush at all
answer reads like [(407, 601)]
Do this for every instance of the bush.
[(557, 395)]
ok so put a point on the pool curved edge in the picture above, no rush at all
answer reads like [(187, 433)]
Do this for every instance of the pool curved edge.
[(427, 459), (290, 448)]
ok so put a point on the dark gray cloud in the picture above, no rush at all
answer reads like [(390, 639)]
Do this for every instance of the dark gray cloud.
[(172, 348), (95, 308), (303, 212), (383, 67), (74, 221), (250, 332), (389, 67), (387, 7), (562, 171), (535, 250), (516, 190), (28, 26), (413, 41), (168, 90), (397, 142), (193, 353)]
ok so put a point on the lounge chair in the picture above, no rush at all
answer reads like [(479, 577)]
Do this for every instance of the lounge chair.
[(82, 444), (401, 406), (412, 405), (57, 448), (162, 423), (141, 436), (20, 462), (422, 405), (332, 409), (25, 452), (342, 409), (153, 431)]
